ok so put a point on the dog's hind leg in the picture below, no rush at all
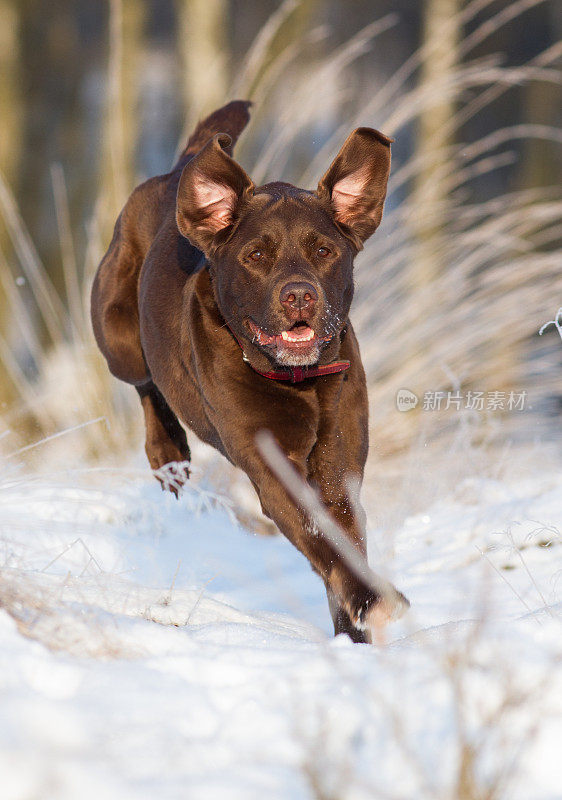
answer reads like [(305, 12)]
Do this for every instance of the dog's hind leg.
[(114, 309), (115, 320), (166, 441)]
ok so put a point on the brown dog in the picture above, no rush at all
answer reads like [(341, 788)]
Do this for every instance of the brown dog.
[(227, 306)]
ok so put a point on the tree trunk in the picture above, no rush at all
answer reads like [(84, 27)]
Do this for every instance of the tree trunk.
[(10, 151), (441, 36), (126, 32), (205, 52)]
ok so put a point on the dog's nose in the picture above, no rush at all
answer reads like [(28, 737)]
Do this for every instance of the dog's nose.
[(297, 297)]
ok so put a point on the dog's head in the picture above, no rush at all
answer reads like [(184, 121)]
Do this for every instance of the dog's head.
[(281, 258)]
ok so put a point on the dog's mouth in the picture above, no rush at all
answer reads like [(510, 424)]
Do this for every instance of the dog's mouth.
[(298, 337), (297, 346)]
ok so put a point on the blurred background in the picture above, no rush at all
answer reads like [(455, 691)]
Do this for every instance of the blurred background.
[(97, 95)]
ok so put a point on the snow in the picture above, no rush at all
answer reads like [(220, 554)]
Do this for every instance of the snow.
[(154, 648)]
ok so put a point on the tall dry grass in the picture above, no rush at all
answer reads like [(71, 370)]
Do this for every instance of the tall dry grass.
[(474, 322)]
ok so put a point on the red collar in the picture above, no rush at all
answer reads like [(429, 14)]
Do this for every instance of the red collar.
[(295, 374)]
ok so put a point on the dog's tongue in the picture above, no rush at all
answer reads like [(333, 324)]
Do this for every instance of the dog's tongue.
[(302, 333)]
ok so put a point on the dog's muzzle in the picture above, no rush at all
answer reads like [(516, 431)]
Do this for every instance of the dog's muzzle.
[(298, 345)]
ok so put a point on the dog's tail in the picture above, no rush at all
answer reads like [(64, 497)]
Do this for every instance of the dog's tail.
[(231, 118)]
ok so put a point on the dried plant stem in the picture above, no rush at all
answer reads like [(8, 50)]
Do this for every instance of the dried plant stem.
[(307, 500)]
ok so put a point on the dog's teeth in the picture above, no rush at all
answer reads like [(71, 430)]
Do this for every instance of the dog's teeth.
[(287, 336)]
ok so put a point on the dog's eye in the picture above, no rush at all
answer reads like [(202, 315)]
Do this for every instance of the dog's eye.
[(255, 255), (323, 252)]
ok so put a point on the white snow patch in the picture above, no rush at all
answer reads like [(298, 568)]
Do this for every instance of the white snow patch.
[(152, 648)]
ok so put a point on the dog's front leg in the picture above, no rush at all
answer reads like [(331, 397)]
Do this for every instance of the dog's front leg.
[(351, 616), (357, 609)]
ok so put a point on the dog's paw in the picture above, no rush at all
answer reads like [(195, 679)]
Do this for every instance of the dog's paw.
[(368, 608), (173, 476), (370, 611), (378, 611)]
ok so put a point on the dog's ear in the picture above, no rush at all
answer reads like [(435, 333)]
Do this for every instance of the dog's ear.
[(355, 184), (211, 186)]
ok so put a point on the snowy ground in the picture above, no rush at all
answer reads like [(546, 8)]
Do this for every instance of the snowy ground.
[(151, 648)]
